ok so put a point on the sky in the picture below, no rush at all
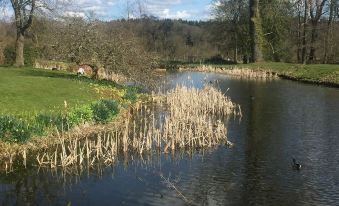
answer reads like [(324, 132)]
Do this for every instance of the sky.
[(116, 9)]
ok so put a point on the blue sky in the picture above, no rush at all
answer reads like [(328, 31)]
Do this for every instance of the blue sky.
[(114, 9)]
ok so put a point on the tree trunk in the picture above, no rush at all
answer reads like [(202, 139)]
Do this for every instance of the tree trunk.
[(316, 11), (19, 50), (328, 31), (313, 39), (327, 40), (23, 13), (235, 57), (299, 34), (303, 51), (256, 32)]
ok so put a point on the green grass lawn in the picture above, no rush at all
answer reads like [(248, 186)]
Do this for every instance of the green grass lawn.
[(27, 90)]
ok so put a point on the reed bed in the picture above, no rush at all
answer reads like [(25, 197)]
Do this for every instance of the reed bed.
[(196, 118), (246, 73), (182, 119), (81, 152)]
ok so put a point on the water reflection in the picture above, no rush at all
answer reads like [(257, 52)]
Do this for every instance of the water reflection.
[(281, 120)]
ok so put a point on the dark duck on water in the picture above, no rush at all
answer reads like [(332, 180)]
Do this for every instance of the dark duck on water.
[(296, 165)]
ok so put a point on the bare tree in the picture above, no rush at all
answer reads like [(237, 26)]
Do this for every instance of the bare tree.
[(333, 6), (299, 10), (100, 46), (231, 11), (304, 42), (135, 8), (316, 11), (24, 11)]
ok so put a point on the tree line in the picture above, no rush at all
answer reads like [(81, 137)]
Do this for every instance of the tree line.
[(303, 31)]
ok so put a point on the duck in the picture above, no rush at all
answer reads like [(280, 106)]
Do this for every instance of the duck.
[(296, 165)]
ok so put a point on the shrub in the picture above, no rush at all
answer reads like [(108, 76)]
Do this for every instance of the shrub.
[(104, 110), (9, 54), (80, 115), (218, 59), (30, 54), (40, 122), (13, 129), (131, 94), (44, 119), (59, 121)]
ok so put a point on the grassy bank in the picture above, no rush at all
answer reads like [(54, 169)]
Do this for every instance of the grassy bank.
[(38, 102), (323, 74), (28, 90)]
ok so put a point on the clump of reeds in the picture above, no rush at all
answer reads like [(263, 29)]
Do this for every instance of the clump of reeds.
[(79, 152), (251, 73), (183, 118), (256, 74), (191, 118)]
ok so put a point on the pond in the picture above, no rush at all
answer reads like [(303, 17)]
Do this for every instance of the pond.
[(281, 120)]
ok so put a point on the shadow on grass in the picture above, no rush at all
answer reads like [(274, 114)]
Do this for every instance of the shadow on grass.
[(70, 76), (31, 72), (47, 73)]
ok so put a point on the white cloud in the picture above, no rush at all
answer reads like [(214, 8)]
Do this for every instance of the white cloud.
[(5, 13), (100, 8), (182, 14), (113, 9), (166, 14), (75, 14), (161, 8)]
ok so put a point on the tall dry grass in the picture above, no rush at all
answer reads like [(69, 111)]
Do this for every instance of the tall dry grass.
[(245, 73)]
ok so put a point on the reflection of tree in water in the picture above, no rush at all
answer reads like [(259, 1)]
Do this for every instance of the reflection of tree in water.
[(266, 149), (46, 186), (255, 187), (28, 187), (213, 184)]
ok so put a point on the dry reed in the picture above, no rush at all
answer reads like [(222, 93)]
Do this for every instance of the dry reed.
[(79, 152), (246, 73)]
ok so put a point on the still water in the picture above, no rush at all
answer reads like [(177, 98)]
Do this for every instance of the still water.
[(281, 120)]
